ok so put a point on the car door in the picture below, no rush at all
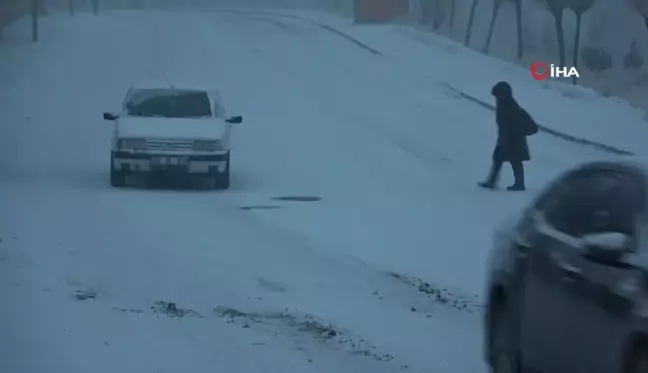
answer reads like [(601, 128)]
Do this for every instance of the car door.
[(601, 304), (550, 276), (221, 114)]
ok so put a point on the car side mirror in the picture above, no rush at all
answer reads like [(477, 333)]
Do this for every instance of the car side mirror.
[(606, 247), (234, 120), (110, 116)]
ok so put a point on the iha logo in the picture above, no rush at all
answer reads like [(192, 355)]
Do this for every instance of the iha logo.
[(543, 70)]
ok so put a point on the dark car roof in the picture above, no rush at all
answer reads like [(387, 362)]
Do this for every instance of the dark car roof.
[(618, 165)]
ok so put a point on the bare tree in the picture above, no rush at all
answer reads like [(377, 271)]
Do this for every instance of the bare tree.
[(633, 59), (35, 10), (579, 7), (426, 12), (641, 7), (557, 8), (518, 27), (440, 13), (497, 4), (471, 20), (453, 13)]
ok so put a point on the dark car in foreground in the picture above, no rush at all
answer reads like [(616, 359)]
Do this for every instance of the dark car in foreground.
[(568, 278)]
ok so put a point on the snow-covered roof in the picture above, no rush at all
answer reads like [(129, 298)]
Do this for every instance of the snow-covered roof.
[(163, 83)]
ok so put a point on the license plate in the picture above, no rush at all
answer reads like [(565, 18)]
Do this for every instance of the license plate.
[(169, 161)]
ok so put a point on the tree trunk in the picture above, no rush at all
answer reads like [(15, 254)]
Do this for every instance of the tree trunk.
[(518, 27), (560, 34), (579, 17), (645, 21), (95, 7), (34, 14), (491, 27), (425, 12), (471, 19), (71, 6), (439, 15), (453, 13)]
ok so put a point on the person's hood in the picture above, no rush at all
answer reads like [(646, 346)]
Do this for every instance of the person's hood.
[(502, 90)]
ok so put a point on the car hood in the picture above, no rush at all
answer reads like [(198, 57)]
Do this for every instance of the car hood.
[(174, 128)]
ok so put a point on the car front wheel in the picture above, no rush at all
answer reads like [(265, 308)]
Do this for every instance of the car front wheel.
[(639, 361), (502, 348)]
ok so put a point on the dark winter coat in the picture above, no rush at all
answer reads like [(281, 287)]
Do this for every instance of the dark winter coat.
[(511, 140)]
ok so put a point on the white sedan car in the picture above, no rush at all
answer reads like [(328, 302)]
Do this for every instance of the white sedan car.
[(172, 129)]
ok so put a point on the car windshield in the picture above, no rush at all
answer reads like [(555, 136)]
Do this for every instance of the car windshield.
[(169, 104)]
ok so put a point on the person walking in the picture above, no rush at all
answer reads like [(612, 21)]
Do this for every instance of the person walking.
[(514, 124)]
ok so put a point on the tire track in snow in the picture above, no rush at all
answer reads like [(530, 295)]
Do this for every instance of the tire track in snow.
[(374, 134), (162, 256), (423, 153), (418, 150), (297, 242), (298, 247), (430, 157)]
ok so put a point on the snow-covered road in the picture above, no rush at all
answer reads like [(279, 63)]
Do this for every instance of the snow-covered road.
[(257, 284)]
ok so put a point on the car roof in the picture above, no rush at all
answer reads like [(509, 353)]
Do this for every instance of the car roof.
[(617, 164), (164, 83)]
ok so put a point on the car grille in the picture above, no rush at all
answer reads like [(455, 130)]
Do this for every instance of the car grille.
[(169, 145)]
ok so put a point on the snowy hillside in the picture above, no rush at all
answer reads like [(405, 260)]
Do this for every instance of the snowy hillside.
[(381, 269), (610, 26)]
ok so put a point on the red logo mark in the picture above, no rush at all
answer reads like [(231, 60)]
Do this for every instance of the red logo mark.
[(540, 70)]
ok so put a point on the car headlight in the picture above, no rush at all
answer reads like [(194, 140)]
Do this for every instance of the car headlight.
[(132, 144), (208, 145)]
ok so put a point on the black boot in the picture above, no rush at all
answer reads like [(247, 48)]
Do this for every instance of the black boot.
[(493, 175), (486, 185), (518, 174), (516, 188)]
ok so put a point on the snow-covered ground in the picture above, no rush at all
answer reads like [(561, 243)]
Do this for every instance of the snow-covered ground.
[(383, 273), (577, 111)]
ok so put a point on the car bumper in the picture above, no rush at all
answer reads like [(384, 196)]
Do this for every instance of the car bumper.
[(131, 162)]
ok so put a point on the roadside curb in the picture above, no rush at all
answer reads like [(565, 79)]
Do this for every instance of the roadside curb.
[(324, 26)]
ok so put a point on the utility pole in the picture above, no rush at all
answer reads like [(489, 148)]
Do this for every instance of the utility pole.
[(71, 7), (35, 8), (95, 7)]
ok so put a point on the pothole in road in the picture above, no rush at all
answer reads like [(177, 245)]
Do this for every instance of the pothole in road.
[(169, 309), (87, 294), (172, 310), (297, 198), (260, 207)]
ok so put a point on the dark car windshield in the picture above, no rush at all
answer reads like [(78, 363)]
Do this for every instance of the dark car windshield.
[(169, 104)]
